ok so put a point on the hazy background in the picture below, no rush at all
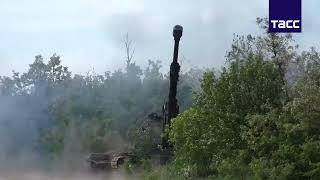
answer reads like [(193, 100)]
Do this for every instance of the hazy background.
[(88, 33)]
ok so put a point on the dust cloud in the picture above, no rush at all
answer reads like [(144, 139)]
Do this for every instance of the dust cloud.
[(61, 176)]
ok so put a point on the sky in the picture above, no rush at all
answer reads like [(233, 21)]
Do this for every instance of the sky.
[(89, 34)]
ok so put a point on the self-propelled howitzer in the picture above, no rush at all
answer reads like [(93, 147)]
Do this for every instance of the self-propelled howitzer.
[(171, 108)]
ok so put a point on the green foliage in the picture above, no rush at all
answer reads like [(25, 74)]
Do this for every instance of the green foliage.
[(193, 150), (211, 130), (162, 173), (257, 119), (146, 141), (92, 112), (286, 141), (235, 167)]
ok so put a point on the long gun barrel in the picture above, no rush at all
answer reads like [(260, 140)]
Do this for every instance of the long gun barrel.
[(171, 108)]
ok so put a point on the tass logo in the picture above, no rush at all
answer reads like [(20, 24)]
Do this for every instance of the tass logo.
[(285, 16)]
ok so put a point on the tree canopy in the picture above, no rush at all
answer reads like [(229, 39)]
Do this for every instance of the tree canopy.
[(258, 118)]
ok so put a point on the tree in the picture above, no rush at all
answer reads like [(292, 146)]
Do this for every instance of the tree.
[(210, 133), (212, 127)]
